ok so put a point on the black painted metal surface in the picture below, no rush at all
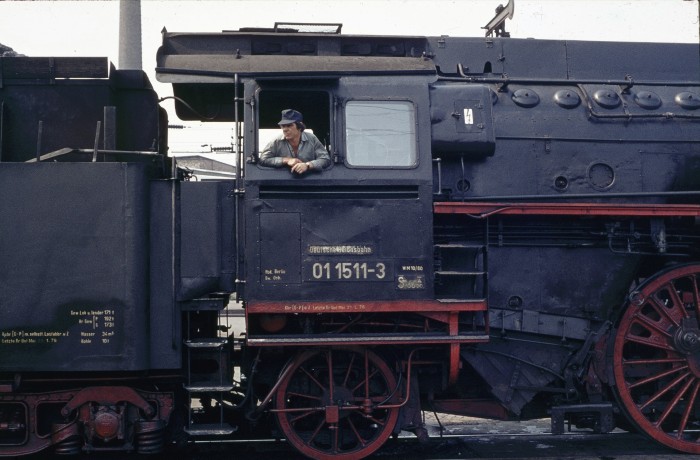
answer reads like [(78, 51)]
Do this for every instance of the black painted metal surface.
[(114, 265)]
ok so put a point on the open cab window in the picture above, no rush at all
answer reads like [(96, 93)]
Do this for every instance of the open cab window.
[(313, 104)]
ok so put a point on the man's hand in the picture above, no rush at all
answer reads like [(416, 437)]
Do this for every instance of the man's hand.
[(300, 168)]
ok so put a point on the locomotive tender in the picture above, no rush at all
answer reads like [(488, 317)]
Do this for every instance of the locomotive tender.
[(508, 229)]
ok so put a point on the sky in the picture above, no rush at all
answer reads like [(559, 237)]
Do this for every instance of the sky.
[(90, 28)]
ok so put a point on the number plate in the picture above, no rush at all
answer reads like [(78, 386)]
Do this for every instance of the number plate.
[(335, 270)]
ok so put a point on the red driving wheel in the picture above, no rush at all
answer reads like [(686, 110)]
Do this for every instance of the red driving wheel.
[(333, 403), (657, 358)]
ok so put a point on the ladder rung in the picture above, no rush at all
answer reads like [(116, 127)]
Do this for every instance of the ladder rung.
[(206, 343), (214, 429), (476, 301), (211, 388), (458, 273), (459, 246)]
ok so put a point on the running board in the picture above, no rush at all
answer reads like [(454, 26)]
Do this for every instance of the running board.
[(370, 339)]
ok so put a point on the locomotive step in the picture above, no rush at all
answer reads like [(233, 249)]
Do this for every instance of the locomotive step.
[(213, 429), (206, 343), (602, 413), (208, 303), (211, 388)]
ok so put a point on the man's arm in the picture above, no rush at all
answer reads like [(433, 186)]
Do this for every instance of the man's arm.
[(270, 155), (322, 159)]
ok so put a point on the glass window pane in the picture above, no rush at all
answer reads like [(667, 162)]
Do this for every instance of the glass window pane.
[(380, 133)]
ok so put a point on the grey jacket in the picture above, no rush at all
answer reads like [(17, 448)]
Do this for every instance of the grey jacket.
[(311, 150)]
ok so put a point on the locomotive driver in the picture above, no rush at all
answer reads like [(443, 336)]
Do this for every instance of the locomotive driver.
[(300, 151)]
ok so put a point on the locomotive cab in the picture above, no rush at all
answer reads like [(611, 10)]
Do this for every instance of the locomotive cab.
[(327, 235)]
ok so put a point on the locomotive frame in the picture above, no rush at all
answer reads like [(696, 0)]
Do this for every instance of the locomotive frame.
[(508, 230)]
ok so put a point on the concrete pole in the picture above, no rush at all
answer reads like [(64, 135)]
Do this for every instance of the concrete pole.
[(130, 34)]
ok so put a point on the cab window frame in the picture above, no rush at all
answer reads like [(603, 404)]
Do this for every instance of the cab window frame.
[(267, 89), (414, 158)]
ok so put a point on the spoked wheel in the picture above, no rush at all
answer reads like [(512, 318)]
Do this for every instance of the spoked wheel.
[(337, 404), (657, 358)]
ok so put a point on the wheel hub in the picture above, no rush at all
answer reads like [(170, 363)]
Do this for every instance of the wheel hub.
[(687, 337), (686, 341)]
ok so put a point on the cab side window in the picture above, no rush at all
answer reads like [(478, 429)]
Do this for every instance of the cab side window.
[(380, 134), (313, 104)]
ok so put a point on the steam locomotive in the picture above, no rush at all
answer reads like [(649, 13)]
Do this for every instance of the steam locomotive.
[(508, 229)]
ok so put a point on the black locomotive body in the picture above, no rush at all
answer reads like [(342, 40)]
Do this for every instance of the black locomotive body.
[(508, 229)]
